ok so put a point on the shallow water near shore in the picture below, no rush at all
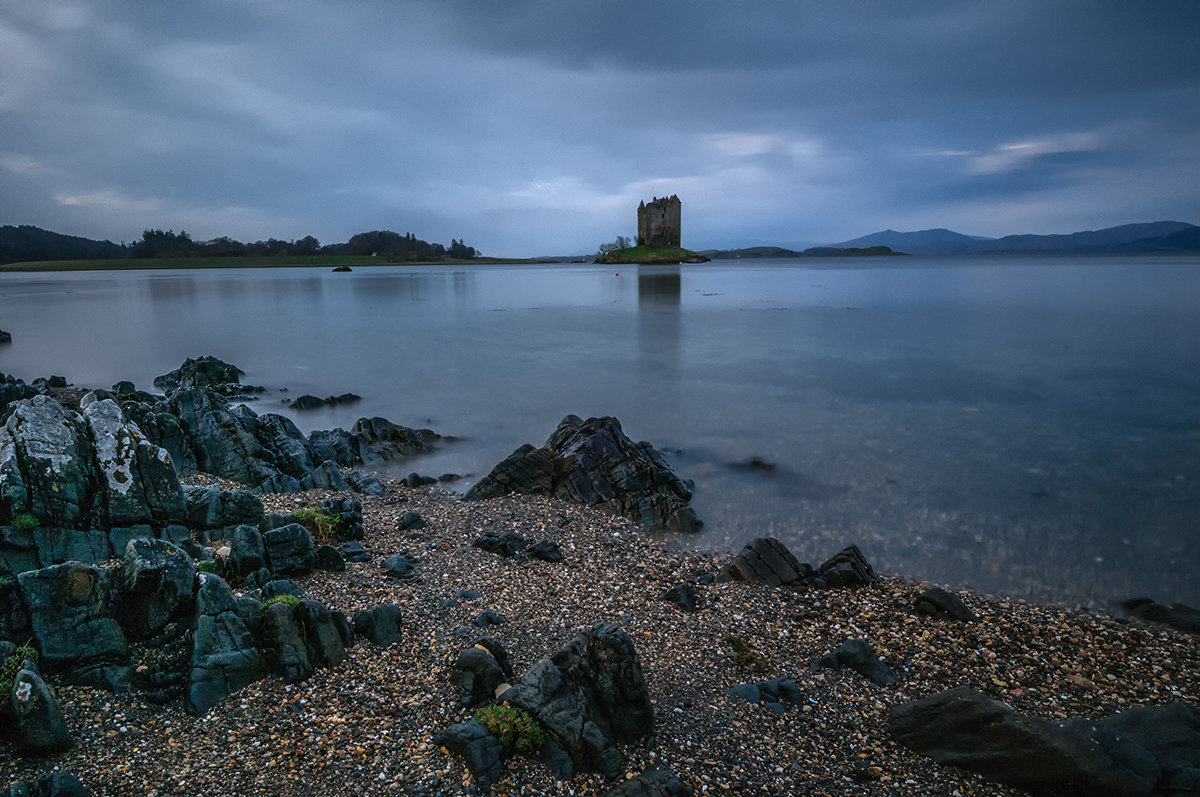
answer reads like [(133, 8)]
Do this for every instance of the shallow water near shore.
[(1023, 426)]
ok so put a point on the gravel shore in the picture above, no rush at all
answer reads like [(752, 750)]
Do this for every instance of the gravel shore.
[(365, 727)]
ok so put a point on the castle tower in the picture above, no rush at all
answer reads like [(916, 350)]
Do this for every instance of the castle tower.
[(659, 222)]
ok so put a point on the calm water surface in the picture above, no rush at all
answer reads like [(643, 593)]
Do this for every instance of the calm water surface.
[(1022, 426)]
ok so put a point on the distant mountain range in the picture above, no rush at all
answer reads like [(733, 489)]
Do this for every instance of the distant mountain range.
[(1158, 236)]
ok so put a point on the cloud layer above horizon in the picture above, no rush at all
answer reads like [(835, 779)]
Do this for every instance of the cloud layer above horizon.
[(535, 126)]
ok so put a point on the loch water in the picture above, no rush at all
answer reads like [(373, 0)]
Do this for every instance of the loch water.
[(1022, 426)]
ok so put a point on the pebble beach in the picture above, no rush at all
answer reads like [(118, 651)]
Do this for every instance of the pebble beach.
[(366, 726)]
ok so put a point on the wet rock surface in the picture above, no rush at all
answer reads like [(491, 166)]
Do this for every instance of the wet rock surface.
[(593, 462)]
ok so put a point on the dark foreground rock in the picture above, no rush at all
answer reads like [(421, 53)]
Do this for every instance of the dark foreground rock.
[(593, 462), (1151, 750), (766, 560), (1175, 615), (590, 696)]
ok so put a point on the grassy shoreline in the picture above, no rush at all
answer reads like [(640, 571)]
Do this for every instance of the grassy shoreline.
[(260, 261)]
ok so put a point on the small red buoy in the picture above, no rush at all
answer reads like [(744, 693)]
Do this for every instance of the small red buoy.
[(617, 274)]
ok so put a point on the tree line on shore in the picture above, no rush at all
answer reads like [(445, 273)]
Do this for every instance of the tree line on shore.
[(25, 243)]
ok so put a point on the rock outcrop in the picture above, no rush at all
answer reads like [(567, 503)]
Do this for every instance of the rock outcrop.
[(1152, 750), (593, 462), (590, 697)]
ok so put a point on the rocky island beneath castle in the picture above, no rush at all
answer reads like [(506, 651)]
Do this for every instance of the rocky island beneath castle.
[(196, 598)]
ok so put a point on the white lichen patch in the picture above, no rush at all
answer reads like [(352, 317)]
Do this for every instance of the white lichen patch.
[(117, 441), (46, 431)]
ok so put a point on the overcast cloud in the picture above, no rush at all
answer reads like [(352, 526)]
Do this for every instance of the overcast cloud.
[(531, 128)]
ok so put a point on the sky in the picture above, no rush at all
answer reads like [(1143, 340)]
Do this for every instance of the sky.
[(534, 127)]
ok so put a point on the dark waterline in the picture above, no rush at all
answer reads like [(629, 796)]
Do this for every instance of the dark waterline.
[(1022, 426)]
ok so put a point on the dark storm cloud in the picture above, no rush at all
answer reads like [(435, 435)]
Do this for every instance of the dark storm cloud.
[(535, 127)]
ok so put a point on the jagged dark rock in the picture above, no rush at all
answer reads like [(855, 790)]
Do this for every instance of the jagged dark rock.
[(593, 462), (380, 439), (938, 602), (847, 568), (590, 696), (766, 560), (858, 655), (403, 566), (545, 550), (773, 693), (224, 655), (246, 551), (1097, 758), (289, 550), (205, 372), (364, 483)]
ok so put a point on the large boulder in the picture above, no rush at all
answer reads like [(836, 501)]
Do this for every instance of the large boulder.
[(289, 550), (159, 586), (207, 372), (964, 728), (47, 466), (225, 442), (161, 426), (224, 655), (593, 462), (589, 696), (73, 625), (140, 486), (292, 453)]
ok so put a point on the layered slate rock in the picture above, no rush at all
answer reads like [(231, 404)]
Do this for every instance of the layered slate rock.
[(594, 462), (589, 696), (224, 442), (380, 439), (289, 550), (1143, 751), (141, 495), (766, 560), (225, 657), (72, 623)]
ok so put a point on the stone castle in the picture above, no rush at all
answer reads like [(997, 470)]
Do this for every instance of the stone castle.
[(658, 222)]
